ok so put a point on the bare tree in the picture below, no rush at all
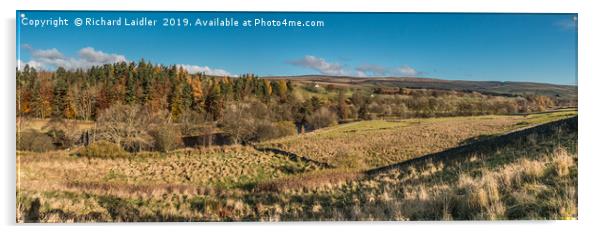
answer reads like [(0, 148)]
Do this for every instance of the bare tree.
[(241, 120), (238, 122), (127, 126), (86, 102), (323, 117)]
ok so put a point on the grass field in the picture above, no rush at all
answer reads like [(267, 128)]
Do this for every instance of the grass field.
[(532, 178), (57, 174), (536, 179), (564, 91), (368, 144), (40, 124)]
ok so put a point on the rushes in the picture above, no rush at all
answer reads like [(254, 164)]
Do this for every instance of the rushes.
[(481, 196), (562, 162), (228, 168)]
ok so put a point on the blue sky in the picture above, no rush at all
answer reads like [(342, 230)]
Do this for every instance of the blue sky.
[(502, 47)]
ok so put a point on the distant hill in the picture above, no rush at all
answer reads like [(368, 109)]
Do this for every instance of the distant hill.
[(567, 92)]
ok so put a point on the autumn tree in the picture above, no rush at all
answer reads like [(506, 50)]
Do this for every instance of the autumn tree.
[(282, 90), (214, 104), (25, 82), (70, 102), (226, 88), (342, 108), (42, 98), (176, 101), (197, 92)]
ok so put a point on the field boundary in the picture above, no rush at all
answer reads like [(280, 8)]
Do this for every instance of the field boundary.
[(569, 124)]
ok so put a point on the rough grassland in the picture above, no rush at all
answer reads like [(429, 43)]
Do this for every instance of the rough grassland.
[(40, 124), (531, 178), (534, 177), (220, 168), (375, 143)]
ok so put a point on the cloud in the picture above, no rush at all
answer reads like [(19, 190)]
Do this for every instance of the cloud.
[(48, 59), (205, 69), (93, 56), (34, 64), (365, 70), (47, 54), (377, 70), (52, 58), (371, 69), (567, 24), (320, 65), (406, 71)]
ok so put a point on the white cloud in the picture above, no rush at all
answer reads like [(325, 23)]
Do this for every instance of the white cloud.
[(205, 69), (34, 64), (377, 70), (91, 55), (406, 71), (320, 65), (371, 69), (364, 70), (49, 59), (47, 54), (53, 58), (361, 74)]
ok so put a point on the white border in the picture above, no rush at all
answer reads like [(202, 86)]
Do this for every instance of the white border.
[(588, 82)]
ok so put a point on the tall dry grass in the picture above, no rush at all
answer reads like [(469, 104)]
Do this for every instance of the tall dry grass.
[(530, 178), (376, 143)]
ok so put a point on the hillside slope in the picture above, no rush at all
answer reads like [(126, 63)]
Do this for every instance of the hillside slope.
[(565, 92), (530, 175), (375, 143)]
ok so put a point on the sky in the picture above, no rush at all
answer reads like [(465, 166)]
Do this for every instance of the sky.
[(454, 46)]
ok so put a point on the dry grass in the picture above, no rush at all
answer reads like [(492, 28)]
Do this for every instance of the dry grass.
[(513, 182), (527, 179), (375, 143), (39, 124), (217, 167), (328, 177)]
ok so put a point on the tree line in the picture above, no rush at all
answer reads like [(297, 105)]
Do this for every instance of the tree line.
[(84, 94), (142, 106)]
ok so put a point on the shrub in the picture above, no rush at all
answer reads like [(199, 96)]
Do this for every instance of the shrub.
[(166, 138), (62, 132), (191, 123), (322, 118), (285, 128), (102, 149), (60, 139), (240, 120), (267, 131), (245, 122), (34, 141)]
